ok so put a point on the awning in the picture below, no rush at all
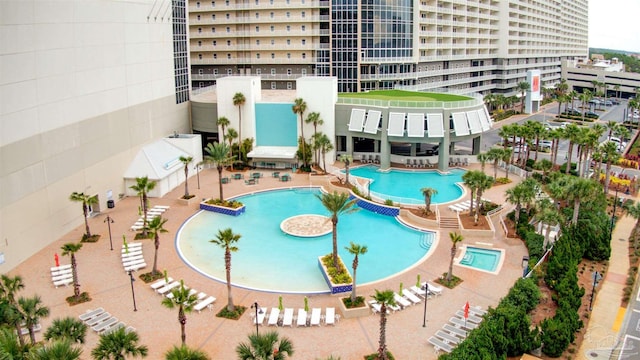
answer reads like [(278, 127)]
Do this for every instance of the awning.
[(273, 152)]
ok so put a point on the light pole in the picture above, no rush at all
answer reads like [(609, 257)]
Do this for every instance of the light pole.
[(197, 168), (109, 221), (133, 293), (596, 277), (426, 296), (613, 215), (258, 310)]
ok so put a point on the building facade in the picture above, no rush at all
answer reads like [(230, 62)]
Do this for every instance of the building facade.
[(581, 74), (477, 46), (85, 85)]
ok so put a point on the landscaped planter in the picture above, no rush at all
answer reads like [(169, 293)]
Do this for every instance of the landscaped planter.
[(183, 201), (222, 209), (335, 288), (354, 312)]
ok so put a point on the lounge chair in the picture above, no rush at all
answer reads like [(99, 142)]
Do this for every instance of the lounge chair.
[(166, 207), (430, 164), (133, 258), (105, 324), (302, 318), (262, 313), (64, 282), (408, 163), (91, 313), (418, 291), (377, 159), (457, 322), (440, 345), (411, 296), (401, 301), (274, 316), (375, 307), (112, 328), (62, 277), (132, 252), (251, 181), (135, 261), (456, 331), (315, 317), (433, 289), (135, 267), (415, 163), (448, 338), (167, 287), (287, 319), (476, 310), (456, 208), (160, 283), (224, 180), (61, 267), (465, 162), (97, 319), (473, 318), (159, 208), (206, 303), (330, 316)]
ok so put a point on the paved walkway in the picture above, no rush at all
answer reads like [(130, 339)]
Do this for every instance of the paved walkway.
[(101, 274)]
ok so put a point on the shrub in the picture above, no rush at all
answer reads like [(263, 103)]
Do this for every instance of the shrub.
[(337, 277), (234, 204)]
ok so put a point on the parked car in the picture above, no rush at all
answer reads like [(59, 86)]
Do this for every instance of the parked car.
[(591, 115), (615, 102), (573, 112), (544, 145), (608, 103)]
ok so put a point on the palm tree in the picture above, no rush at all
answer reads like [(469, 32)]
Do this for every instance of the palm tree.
[(471, 180), (506, 157), (455, 239), (71, 249), (483, 158), (324, 147), (186, 160), (118, 345), (156, 227), (232, 134), (544, 165), (10, 347), (239, 100), (68, 328), (298, 108), (523, 87), (428, 192), (611, 155), (32, 310), (86, 201), (346, 159), (185, 353), (9, 288), (337, 204), (538, 132), (314, 118), (571, 132), (143, 186), (56, 350), (484, 183), (225, 239), (184, 301), (579, 190), (220, 155), (547, 214), (264, 347), (223, 122), (495, 155), (385, 299), (355, 250)]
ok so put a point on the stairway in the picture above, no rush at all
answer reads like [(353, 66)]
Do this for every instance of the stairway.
[(448, 223)]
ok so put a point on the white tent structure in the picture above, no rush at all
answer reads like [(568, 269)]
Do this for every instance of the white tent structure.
[(160, 162)]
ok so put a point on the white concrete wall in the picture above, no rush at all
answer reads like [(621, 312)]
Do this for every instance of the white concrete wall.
[(83, 85), (321, 95), (249, 86)]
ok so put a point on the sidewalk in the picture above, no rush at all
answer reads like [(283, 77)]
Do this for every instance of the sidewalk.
[(607, 315)]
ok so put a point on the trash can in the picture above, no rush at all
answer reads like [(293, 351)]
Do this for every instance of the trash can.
[(111, 204)]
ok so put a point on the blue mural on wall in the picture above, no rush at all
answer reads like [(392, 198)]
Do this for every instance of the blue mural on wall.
[(276, 125)]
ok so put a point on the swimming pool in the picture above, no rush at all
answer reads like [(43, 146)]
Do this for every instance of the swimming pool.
[(403, 186), (269, 260), (488, 260)]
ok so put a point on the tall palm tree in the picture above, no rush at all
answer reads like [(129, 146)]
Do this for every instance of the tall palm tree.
[(484, 183), (185, 353), (298, 108), (223, 122), (143, 186), (32, 310), (455, 239), (239, 100), (324, 147), (579, 190), (482, 159), (10, 347), (506, 157), (118, 345), (428, 192), (68, 328), (346, 159), (471, 179), (265, 347), (186, 160), (315, 119), (156, 227), (9, 288), (71, 249), (337, 204), (495, 155), (385, 299), (611, 155), (538, 132), (86, 201), (226, 240), (571, 132), (547, 214), (220, 155), (184, 301), (523, 87), (355, 250), (56, 350)]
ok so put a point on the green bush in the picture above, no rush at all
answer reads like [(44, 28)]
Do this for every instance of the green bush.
[(337, 277)]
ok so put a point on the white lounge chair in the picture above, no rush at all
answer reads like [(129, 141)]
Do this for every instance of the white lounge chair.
[(61, 267), (91, 313), (274, 316), (476, 310), (132, 262), (112, 328), (401, 301), (105, 324), (132, 258), (287, 319), (166, 288), (64, 282), (302, 318), (98, 319), (61, 272), (448, 338), (262, 313), (62, 277), (434, 289), (456, 208), (206, 303), (456, 331), (474, 319), (135, 267), (166, 207), (132, 252), (440, 345), (411, 296), (456, 321), (330, 316), (160, 283), (418, 291), (315, 317)]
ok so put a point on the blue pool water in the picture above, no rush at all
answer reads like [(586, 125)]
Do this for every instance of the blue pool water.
[(482, 259), (269, 260), (404, 186)]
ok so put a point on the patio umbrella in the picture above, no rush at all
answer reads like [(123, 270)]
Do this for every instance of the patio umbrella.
[(56, 259), (466, 313)]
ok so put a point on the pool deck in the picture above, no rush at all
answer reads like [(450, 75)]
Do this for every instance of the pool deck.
[(101, 274)]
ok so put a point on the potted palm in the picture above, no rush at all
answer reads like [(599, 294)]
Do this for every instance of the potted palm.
[(354, 305)]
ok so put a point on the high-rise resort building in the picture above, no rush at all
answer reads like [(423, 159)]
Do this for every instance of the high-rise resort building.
[(85, 86), (464, 46)]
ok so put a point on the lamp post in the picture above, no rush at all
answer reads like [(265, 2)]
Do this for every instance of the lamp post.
[(197, 168), (133, 293), (613, 215), (109, 221), (258, 310), (426, 296), (596, 277)]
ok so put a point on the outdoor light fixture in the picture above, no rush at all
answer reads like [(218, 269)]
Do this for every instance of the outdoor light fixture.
[(525, 265), (109, 221), (426, 296), (133, 293), (258, 311)]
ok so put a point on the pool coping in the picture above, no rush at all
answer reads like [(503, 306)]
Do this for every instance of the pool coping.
[(484, 246)]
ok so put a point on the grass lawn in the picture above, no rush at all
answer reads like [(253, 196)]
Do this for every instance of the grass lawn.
[(404, 96)]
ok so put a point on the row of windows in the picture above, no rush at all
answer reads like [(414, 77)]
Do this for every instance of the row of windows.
[(271, 15), (273, 42), (273, 56), (272, 28), (227, 3), (303, 72)]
